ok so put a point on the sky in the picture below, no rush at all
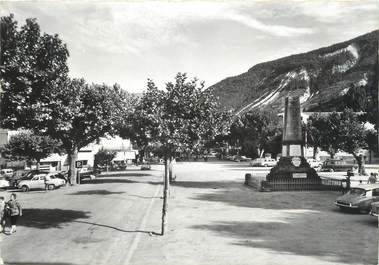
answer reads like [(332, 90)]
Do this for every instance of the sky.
[(127, 42)]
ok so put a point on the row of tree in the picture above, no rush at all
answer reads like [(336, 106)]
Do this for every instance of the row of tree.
[(38, 95)]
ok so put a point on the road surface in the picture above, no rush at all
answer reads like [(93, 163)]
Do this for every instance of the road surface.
[(94, 223), (213, 219)]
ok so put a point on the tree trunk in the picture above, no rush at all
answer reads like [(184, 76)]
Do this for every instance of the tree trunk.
[(170, 169), (165, 197), (72, 157)]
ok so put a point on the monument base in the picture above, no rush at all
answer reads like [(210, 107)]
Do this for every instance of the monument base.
[(286, 176)]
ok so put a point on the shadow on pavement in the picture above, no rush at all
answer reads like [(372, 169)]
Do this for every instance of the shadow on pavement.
[(239, 195), (104, 180), (38, 263), (122, 174), (201, 184), (49, 218), (96, 192), (291, 237), (115, 228)]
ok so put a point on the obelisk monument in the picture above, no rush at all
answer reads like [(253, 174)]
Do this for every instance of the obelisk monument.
[(293, 168)]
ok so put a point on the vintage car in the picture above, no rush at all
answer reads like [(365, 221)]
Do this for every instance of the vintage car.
[(314, 163), (263, 162), (332, 165), (359, 198), (38, 182), (4, 183), (375, 209)]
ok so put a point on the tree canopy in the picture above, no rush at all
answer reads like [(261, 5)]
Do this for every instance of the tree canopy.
[(31, 64), (26, 145), (256, 131), (176, 119)]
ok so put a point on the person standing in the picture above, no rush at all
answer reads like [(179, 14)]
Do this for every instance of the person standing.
[(2, 214), (15, 211), (372, 179)]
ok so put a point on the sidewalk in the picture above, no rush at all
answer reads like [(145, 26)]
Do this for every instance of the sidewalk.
[(213, 219)]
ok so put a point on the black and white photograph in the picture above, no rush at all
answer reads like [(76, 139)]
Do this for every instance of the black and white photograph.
[(191, 132)]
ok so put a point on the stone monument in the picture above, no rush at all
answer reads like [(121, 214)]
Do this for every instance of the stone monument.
[(292, 171)]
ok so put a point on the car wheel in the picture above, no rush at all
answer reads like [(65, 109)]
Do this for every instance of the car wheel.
[(51, 186), (25, 188)]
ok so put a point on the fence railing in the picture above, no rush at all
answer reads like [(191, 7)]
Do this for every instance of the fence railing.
[(260, 183)]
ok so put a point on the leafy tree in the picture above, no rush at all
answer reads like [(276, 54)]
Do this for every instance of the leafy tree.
[(38, 95), (322, 132), (256, 130), (338, 131), (141, 125), (26, 145), (104, 157), (80, 114), (177, 119), (31, 63)]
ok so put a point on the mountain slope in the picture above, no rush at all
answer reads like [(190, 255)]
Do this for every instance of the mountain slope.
[(321, 78)]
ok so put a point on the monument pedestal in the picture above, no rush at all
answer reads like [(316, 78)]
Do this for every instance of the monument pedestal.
[(292, 171)]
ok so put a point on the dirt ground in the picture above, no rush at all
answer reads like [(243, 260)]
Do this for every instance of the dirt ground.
[(214, 219)]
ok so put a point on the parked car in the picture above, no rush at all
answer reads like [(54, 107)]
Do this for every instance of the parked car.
[(374, 209), (332, 165), (4, 184), (360, 197), (38, 182), (6, 172), (145, 166), (239, 158), (263, 162), (87, 173), (15, 180), (316, 164)]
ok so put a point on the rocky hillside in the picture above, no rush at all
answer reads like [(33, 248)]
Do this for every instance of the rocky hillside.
[(322, 78)]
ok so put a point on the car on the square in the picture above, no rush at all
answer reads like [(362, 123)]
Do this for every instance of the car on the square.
[(88, 173), (263, 162), (145, 166), (4, 184), (239, 158), (359, 198), (38, 182), (314, 163), (332, 165), (6, 172), (374, 209)]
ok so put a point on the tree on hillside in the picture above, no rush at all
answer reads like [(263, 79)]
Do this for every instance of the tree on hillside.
[(356, 98), (339, 131), (31, 63), (26, 145), (257, 129)]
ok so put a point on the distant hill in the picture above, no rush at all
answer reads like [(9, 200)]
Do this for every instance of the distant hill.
[(322, 78)]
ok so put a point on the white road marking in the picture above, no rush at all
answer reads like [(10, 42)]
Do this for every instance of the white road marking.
[(142, 226)]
